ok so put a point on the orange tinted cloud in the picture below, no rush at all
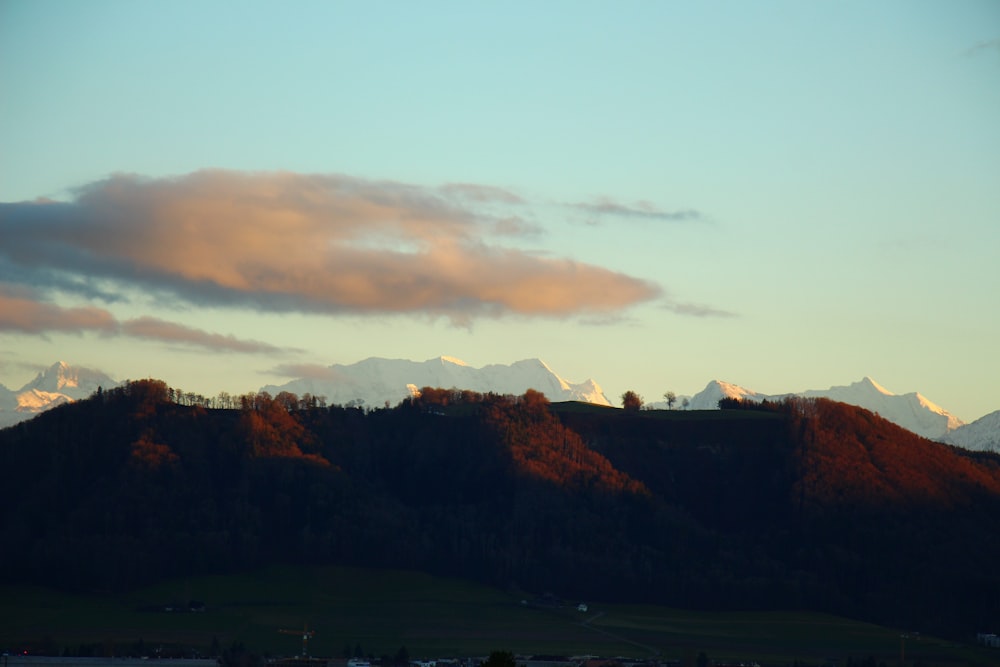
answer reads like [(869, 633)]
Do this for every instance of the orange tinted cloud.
[(21, 311), (317, 243), (21, 314), (170, 332)]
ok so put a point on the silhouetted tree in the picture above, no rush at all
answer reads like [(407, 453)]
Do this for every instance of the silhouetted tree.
[(631, 401), (671, 399)]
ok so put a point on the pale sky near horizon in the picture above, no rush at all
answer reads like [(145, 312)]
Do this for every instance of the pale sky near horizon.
[(786, 195)]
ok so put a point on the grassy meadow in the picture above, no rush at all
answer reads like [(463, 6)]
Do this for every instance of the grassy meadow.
[(436, 617)]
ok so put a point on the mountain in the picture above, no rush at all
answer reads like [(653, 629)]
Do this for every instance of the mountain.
[(709, 397), (375, 381), (911, 411), (58, 384), (982, 434)]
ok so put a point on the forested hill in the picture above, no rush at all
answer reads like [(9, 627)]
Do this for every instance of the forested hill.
[(803, 504)]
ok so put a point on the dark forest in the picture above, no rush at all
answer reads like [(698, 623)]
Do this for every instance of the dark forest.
[(803, 504)]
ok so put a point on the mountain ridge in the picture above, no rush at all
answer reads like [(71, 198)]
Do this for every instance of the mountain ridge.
[(56, 385), (912, 411), (375, 381), (378, 380), (982, 434)]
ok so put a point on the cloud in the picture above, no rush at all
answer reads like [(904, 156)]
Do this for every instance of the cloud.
[(480, 193), (695, 309), (983, 47), (311, 243), (57, 280), (22, 312), (155, 329), (607, 321), (642, 209)]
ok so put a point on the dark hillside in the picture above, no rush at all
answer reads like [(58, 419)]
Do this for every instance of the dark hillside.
[(799, 505), (912, 524), (731, 470)]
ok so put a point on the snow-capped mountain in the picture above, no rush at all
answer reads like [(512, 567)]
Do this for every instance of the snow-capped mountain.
[(375, 381), (709, 397), (982, 434), (911, 411), (60, 383)]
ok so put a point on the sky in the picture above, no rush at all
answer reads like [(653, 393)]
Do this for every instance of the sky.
[(785, 195)]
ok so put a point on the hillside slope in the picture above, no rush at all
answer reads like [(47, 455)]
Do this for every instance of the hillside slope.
[(60, 383), (805, 504)]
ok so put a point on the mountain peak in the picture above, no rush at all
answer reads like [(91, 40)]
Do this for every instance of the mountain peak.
[(869, 383), (534, 362), (708, 398), (393, 380), (66, 375), (911, 411), (59, 383), (75, 381)]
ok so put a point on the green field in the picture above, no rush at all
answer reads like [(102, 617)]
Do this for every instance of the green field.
[(436, 617)]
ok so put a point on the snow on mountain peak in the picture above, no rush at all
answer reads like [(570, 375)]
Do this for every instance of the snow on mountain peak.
[(34, 401), (911, 411), (59, 383), (74, 381), (377, 381), (982, 434), (709, 397), (928, 404), (868, 383)]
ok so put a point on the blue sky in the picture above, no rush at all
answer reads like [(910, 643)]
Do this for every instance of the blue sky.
[(783, 195)]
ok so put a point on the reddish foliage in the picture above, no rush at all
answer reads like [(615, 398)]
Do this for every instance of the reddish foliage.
[(850, 456), (543, 447), (151, 455), (272, 431)]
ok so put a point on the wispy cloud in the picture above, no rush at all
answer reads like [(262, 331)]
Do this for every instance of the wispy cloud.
[(170, 332), (695, 309), (292, 242), (984, 47), (641, 209), (480, 193), (22, 311)]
